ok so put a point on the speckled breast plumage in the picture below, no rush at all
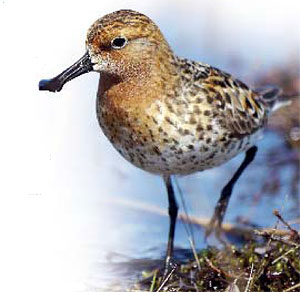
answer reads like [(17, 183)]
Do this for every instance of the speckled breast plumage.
[(206, 120)]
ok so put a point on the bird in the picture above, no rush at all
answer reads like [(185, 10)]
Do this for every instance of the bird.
[(166, 114)]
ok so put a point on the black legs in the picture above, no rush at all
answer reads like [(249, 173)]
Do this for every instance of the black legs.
[(221, 206), (173, 210)]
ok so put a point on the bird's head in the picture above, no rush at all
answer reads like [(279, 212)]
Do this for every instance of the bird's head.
[(124, 43)]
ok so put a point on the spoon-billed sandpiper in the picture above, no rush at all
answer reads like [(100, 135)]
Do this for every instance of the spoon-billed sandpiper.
[(168, 115)]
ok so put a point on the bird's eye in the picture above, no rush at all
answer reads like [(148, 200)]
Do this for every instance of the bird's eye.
[(119, 42)]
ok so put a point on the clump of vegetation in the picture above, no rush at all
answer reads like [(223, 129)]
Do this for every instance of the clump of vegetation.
[(271, 266), (269, 263)]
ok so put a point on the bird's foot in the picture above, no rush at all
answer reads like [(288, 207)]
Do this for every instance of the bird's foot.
[(170, 267), (215, 225)]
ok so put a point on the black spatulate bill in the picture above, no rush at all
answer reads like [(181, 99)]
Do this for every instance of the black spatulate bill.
[(82, 66)]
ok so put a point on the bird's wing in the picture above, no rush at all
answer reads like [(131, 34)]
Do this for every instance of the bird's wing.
[(243, 110)]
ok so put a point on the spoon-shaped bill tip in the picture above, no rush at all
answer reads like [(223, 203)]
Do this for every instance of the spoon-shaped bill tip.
[(52, 85)]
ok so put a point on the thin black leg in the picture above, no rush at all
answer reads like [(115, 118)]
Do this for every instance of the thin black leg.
[(173, 210), (221, 206)]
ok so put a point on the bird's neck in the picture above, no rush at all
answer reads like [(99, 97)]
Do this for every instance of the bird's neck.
[(153, 77)]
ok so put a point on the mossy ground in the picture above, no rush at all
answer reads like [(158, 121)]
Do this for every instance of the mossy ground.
[(269, 266)]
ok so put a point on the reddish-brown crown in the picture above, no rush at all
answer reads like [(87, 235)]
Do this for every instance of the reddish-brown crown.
[(145, 44)]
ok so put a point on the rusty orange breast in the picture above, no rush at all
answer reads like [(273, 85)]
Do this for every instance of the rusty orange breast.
[(124, 110)]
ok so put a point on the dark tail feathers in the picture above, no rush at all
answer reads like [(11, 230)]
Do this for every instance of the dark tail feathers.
[(274, 98)]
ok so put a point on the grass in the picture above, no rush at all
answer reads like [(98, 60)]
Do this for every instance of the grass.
[(268, 266), (267, 262)]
